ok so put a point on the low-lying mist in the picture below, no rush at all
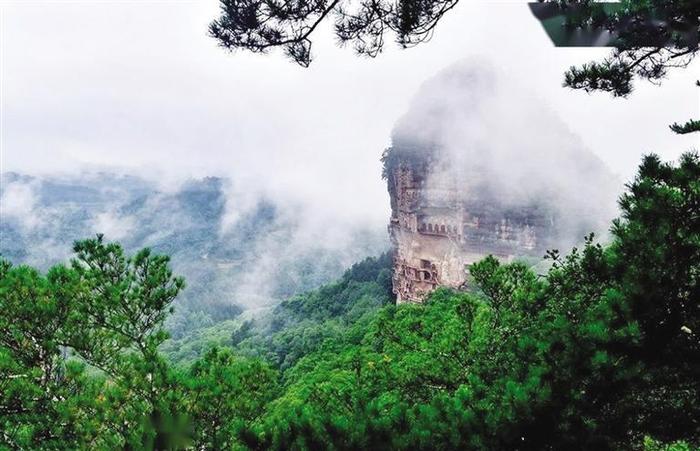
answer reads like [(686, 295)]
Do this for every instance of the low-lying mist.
[(235, 251)]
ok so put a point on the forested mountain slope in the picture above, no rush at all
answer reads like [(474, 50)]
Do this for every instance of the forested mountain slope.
[(299, 325), (599, 352)]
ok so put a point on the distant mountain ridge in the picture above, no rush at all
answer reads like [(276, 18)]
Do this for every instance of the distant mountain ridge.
[(267, 254)]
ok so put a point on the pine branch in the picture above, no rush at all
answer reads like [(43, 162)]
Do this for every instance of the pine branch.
[(689, 127)]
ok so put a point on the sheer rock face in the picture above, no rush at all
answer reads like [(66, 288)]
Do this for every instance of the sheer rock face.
[(480, 165), (437, 231)]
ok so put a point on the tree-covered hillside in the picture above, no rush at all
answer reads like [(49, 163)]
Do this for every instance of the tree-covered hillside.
[(601, 352), (299, 325)]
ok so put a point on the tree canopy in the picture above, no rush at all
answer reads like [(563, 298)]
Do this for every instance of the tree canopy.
[(651, 37), (600, 352), (258, 25)]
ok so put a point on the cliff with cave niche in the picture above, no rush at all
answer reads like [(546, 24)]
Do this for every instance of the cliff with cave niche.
[(480, 165), (438, 226)]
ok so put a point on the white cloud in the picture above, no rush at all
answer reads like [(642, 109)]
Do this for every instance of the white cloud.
[(113, 225), (18, 202)]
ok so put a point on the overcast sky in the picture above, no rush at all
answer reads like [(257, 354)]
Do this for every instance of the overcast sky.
[(138, 87)]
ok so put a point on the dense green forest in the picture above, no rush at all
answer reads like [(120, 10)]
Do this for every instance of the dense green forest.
[(601, 352)]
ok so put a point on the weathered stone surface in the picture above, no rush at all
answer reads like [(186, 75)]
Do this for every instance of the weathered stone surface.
[(437, 231), (480, 165)]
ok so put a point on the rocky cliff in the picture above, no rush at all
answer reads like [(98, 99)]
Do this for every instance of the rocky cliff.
[(479, 166), (437, 230)]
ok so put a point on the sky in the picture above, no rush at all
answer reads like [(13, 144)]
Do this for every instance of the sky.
[(138, 87)]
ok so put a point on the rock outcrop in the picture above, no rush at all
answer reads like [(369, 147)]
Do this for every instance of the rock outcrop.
[(437, 231), (481, 167)]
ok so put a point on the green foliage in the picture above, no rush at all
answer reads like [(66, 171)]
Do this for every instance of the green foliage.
[(652, 37), (689, 127), (307, 322), (610, 76), (461, 371), (601, 352), (106, 311), (297, 326), (578, 359), (657, 265), (184, 351), (654, 445), (225, 394), (259, 25)]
